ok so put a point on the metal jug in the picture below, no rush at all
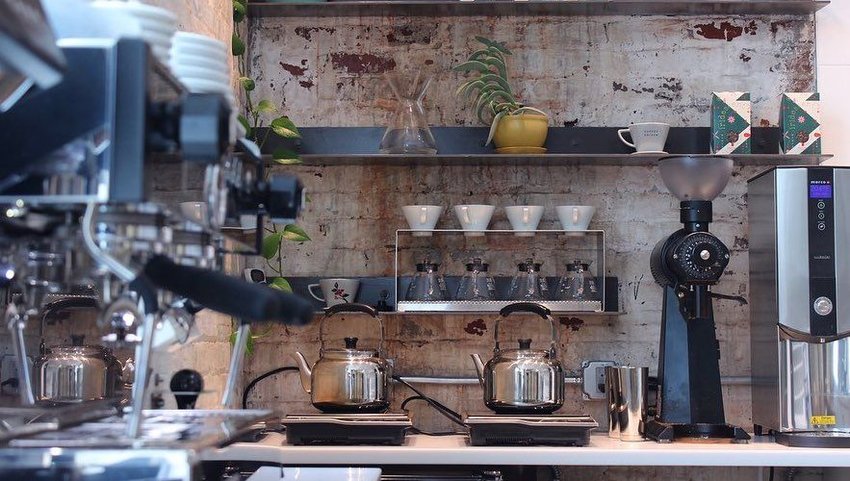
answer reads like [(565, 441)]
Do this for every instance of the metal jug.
[(350, 379), (523, 380), (69, 374)]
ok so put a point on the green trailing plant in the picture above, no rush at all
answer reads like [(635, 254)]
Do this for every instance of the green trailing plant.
[(490, 92), (256, 115)]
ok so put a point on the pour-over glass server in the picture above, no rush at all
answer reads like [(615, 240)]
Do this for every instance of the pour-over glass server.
[(685, 264), (408, 132)]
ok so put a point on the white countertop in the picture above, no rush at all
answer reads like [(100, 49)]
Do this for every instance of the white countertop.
[(602, 451)]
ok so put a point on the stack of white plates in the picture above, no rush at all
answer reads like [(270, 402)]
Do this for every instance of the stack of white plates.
[(157, 25), (200, 63)]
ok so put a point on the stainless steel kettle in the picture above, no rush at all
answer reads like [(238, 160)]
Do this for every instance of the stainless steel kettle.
[(68, 374), (350, 379), (523, 380)]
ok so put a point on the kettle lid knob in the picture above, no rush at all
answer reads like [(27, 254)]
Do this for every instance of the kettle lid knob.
[(525, 343), (351, 342)]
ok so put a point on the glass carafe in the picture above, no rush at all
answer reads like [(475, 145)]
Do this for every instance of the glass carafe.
[(528, 284), (476, 284), (428, 284), (408, 131), (578, 284)]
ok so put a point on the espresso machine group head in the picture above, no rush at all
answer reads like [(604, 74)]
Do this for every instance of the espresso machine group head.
[(686, 263)]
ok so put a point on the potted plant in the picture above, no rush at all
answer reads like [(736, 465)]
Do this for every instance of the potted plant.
[(514, 128)]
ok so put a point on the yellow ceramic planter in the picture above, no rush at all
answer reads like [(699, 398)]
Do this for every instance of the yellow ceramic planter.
[(524, 130)]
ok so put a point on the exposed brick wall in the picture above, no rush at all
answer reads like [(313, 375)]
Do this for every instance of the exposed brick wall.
[(600, 71)]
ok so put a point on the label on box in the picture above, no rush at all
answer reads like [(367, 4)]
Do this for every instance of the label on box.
[(799, 120), (822, 420), (731, 123)]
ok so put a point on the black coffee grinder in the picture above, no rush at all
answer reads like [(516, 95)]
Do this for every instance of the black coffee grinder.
[(685, 264)]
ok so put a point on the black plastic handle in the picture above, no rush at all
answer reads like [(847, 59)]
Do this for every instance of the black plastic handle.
[(531, 307), (229, 295), (350, 307)]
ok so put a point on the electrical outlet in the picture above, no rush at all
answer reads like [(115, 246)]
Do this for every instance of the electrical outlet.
[(593, 378)]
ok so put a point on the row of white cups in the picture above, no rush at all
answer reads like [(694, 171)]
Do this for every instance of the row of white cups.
[(475, 218)]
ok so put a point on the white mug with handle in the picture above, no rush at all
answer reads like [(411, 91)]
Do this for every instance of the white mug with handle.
[(474, 218), (422, 218), (335, 291), (524, 218), (575, 217), (647, 137)]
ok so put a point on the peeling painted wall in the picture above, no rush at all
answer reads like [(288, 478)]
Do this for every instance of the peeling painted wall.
[(599, 71), (592, 71)]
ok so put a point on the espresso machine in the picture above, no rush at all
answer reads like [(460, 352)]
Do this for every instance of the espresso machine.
[(85, 124), (800, 328), (686, 264)]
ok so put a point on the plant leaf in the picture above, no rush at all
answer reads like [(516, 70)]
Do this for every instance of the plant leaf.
[(284, 127), (239, 11), (265, 106), (271, 245), (472, 66), (501, 81), (247, 83), (499, 64), (530, 109), (249, 346), (237, 46), (244, 122), (294, 233), (286, 157), (496, 45), (493, 126), (280, 284)]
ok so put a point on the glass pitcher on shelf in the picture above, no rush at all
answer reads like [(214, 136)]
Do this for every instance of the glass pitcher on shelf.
[(529, 284), (476, 284), (408, 132), (578, 284), (427, 284)]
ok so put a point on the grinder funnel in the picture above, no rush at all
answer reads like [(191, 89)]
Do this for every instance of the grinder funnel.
[(695, 177)]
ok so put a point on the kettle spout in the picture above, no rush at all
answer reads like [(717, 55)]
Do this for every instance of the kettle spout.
[(304, 369), (479, 367)]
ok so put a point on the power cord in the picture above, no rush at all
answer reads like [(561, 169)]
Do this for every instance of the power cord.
[(259, 378), (450, 414)]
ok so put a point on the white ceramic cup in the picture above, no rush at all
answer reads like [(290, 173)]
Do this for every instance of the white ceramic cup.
[(335, 291), (422, 217), (647, 137), (524, 218), (474, 218), (575, 217), (195, 211)]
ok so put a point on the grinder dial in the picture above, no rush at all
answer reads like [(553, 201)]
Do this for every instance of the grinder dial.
[(699, 257)]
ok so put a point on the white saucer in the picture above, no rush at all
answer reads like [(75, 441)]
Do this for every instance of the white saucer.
[(649, 152)]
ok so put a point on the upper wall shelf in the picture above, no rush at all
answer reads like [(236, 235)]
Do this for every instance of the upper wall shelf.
[(567, 146), (349, 8)]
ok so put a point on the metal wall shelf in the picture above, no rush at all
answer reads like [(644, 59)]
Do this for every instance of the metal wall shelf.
[(328, 146), (350, 8)]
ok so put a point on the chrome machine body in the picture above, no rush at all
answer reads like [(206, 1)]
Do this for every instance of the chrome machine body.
[(85, 126), (800, 319)]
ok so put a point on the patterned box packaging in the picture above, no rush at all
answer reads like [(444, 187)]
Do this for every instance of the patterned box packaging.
[(731, 123), (799, 121)]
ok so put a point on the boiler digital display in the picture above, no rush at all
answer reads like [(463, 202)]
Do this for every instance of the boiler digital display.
[(820, 191)]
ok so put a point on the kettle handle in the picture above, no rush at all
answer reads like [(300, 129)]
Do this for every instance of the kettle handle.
[(531, 307), (350, 307)]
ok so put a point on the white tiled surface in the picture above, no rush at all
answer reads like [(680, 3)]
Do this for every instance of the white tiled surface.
[(833, 39)]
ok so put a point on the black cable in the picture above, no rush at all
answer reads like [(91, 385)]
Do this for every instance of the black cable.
[(259, 378), (450, 414)]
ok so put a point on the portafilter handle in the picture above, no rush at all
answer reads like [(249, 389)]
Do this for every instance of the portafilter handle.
[(529, 307), (229, 295)]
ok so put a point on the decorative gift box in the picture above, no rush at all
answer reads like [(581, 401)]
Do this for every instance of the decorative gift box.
[(731, 123), (799, 120)]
